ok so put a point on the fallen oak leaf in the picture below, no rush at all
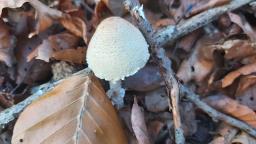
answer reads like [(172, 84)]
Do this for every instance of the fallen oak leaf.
[(233, 108), (84, 115), (245, 70), (138, 124), (71, 55)]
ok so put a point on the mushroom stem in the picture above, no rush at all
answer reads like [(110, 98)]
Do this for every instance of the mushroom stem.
[(116, 93)]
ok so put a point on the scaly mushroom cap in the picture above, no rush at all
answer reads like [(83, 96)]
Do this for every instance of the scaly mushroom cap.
[(117, 50)]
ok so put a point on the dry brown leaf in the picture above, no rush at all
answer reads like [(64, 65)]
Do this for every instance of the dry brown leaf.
[(248, 97), (238, 49), (44, 13), (138, 124), (225, 134), (200, 62), (75, 111), (60, 47), (244, 83), (6, 44), (233, 108), (75, 25), (245, 70), (71, 55), (243, 138), (241, 21)]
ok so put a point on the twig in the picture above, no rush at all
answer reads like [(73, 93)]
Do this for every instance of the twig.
[(12, 113), (166, 35), (215, 114), (165, 66)]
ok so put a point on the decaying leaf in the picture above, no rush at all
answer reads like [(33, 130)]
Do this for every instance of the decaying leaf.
[(233, 108), (139, 125), (6, 44), (243, 138), (76, 26), (225, 134), (245, 70), (60, 47), (248, 97), (146, 79), (75, 111), (244, 83), (201, 62), (243, 24)]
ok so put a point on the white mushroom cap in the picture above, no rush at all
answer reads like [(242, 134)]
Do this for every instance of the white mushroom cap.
[(117, 50)]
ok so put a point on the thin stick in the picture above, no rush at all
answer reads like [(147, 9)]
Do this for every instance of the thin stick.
[(215, 114), (166, 35), (165, 65)]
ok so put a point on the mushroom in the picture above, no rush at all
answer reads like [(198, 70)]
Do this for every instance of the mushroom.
[(116, 50)]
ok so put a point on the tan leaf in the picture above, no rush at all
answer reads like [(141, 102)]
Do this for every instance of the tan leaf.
[(200, 62), (233, 108), (241, 21), (45, 15), (138, 124), (75, 25), (75, 111), (71, 55), (245, 70), (244, 83), (243, 138)]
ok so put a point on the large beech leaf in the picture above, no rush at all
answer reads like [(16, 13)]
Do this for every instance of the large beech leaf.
[(76, 111)]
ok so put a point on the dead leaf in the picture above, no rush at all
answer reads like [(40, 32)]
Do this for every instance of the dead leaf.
[(200, 62), (71, 55), (243, 24), (45, 15), (139, 125), (225, 134), (146, 79), (244, 83), (60, 47), (245, 70), (248, 97), (243, 138), (61, 70), (233, 108), (75, 111), (6, 44), (76, 26)]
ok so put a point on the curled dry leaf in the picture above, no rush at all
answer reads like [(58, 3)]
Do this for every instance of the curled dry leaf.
[(233, 108), (60, 47), (75, 25), (138, 124), (75, 111), (245, 70), (243, 138), (6, 45), (243, 24), (45, 14)]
